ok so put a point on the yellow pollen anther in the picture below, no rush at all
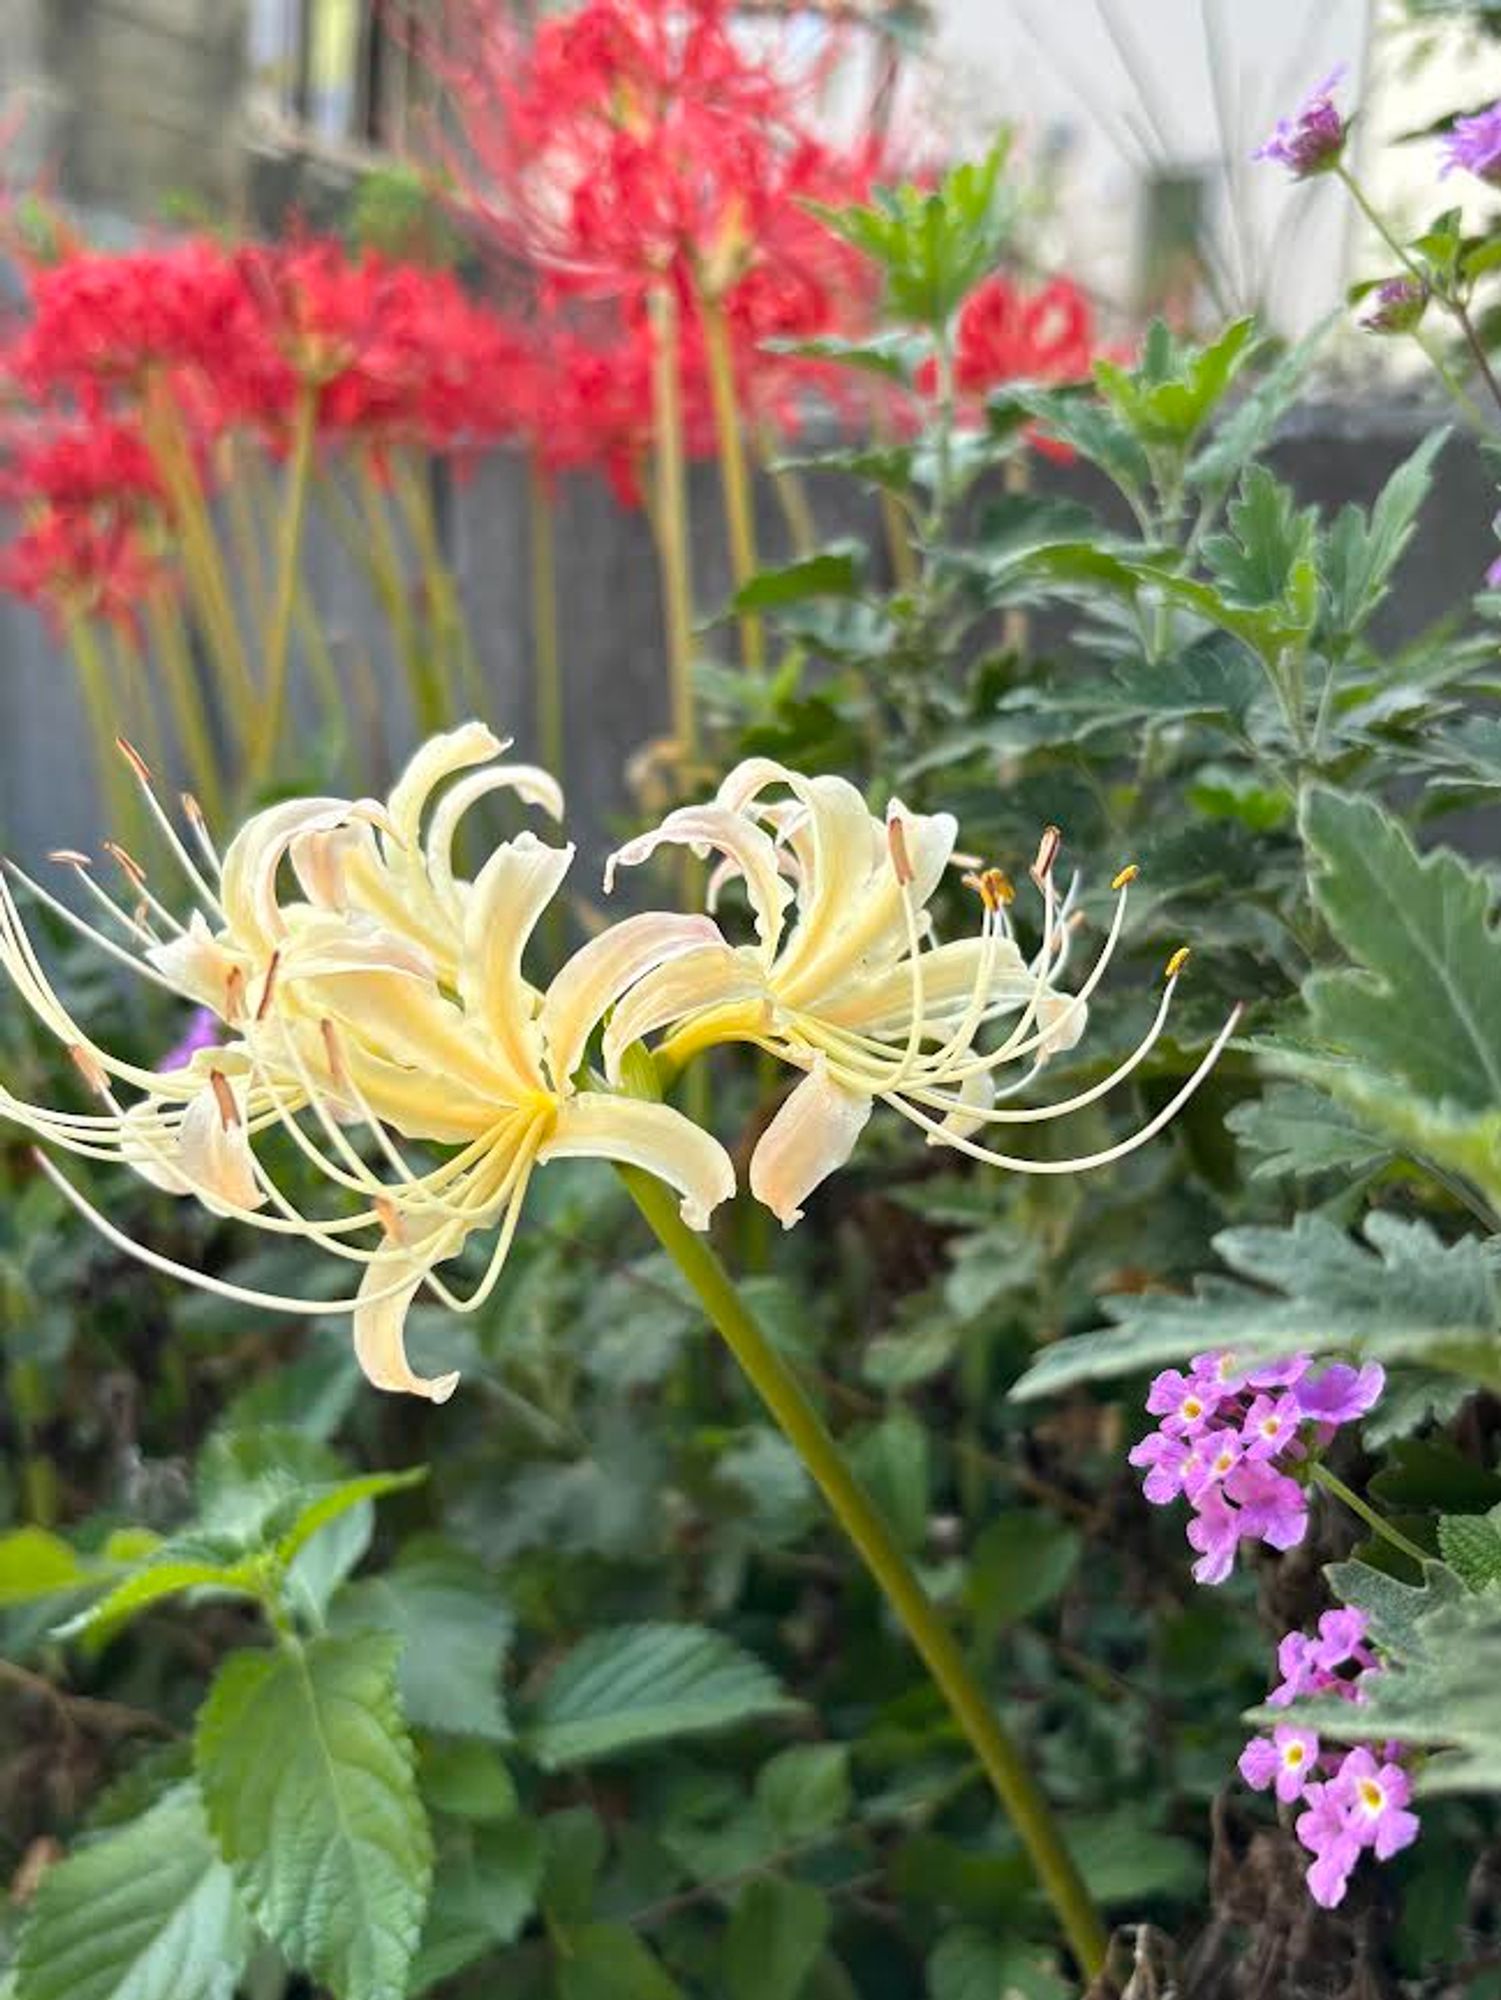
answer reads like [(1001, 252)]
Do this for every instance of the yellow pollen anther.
[(1128, 874), (1047, 854), (268, 991), (134, 759), (89, 1068), (1294, 1754), (224, 1097), (1371, 1795), (992, 886), (901, 860), (1177, 962)]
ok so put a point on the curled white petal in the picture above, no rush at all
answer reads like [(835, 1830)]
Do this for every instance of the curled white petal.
[(600, 971), (597, 1126), (380, 1332), (811, 1137)]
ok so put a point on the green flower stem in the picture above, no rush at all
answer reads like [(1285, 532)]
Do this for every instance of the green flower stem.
[(734, 475), (1322, 1476), (293, 521), (195, 735), (104, 707), (779, 1389)]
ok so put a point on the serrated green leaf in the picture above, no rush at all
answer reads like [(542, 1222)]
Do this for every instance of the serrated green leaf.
[(454, 1628), (1296, 1130), (323, 1509), (1249, 426), (1312, 1289), (640, 1684), (775, 1937), (309, 1780), (1265, 560), (1358, 556), (609, 1962), (148, 1912), (1471, 1546), (1425, 998), (836, 571), (164, 1575), (35, 1563)]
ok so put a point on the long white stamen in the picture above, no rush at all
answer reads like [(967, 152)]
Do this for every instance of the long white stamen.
[(87, 930), (158, 812)]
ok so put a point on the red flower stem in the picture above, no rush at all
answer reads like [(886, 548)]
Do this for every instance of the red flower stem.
[(291, 528), (734, 474)]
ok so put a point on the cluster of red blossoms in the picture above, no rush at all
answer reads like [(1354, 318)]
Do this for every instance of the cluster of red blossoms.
[(224, 343)]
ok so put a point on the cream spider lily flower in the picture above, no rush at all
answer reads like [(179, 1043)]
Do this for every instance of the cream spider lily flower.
[(845, 982), (373, 1002)]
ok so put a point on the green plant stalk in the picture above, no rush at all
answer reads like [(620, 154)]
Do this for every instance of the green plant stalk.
[(131, 682), (103, 710), (414, 492), (547, 663), (734, 473), (779, 1389), (292, 526), (203, 563), (388, 579), (173, 655), (792, 495), (670, 515), (1322, 1476)]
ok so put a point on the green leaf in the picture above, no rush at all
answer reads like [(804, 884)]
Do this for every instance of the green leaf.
[(34, 1563), (836, 571), (805, 1790), (164, 1575), (316, 1514), (1310, 1288), (149, 1912), (1425, 999), (968, 1964), (1021, 1562), (465, 1779), (1358, 557), (640, 1684), (1266, 557), (609, 1962), (1296, 1130), (1248, 428), (1176, 390), (484, 1890), (893, 1459), (308, 1775), (1471, 1546), (1126, 1863), (454, 1628), (776, 1935)]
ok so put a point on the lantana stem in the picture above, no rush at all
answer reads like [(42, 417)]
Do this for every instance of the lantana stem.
[(1322, 1476), (781, 1392), (734, 474)]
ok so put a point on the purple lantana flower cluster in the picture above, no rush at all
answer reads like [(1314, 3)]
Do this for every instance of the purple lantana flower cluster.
[(1230, 1439), (1353, 1801), (1311, 142), (1474, 146)]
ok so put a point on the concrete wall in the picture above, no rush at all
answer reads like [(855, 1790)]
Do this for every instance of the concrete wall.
[(611, 623)]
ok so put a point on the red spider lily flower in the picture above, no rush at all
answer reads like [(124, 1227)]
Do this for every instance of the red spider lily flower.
[(82, 466), (73, 563), (1006, 334)]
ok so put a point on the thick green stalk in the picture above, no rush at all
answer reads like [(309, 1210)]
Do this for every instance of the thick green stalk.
[(670, 515), (547, 661), (414, 490), (734, 473), (291, 527), (174, 657), (781, 1392), (103, 707), (792, 495)]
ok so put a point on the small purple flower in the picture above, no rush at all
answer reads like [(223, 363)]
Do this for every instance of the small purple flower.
[(202, 1032), (1215, 1533), (1341, 1394), (1298, 1668), (1166, 1458), (1312, 142), (1323, 1831), (1373, 1798), (1184, 1402), (1271, 1426), (1493, 575), (1341, 1640), (1273, 1508), (1287, 1760), (1474, 144), (1214, 1457), (1397, 306)]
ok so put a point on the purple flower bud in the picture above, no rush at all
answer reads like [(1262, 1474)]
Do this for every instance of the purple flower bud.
[(1397, 306), (1475, 145), (1312, 142), (1341, 1394)]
